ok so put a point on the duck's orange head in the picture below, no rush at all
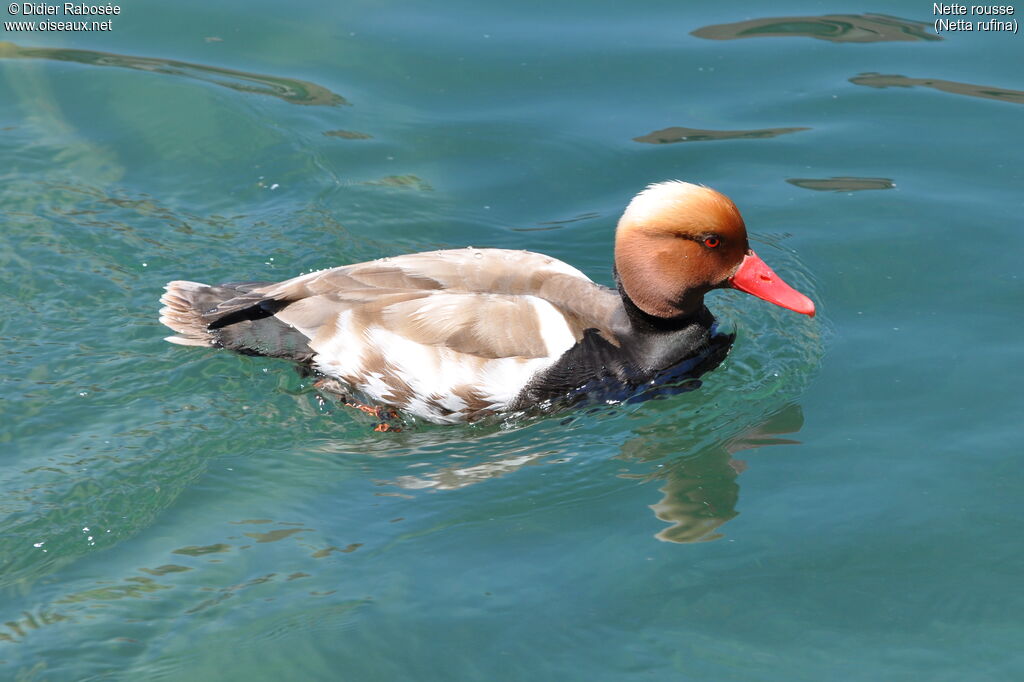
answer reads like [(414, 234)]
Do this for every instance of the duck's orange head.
[(676, 241)]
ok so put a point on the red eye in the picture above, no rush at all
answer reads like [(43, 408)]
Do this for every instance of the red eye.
[(712, 242)]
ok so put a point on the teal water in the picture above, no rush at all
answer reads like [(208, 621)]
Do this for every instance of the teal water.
[(839, 500)]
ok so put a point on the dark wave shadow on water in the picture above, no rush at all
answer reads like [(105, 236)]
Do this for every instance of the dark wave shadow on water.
[(289, 89), (841, 184), (546, 225), (880, 80), (677, 134), (401, 182), (838, 28), (348, 134)]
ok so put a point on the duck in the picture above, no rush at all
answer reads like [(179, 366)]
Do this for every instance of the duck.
[(454, 336)]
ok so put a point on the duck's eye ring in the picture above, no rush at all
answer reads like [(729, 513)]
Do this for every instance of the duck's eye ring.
[(712, 242)]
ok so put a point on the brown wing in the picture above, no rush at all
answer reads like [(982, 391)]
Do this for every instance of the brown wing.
[(489, 303)]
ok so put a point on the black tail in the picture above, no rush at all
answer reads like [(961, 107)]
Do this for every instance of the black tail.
[(188, 310)]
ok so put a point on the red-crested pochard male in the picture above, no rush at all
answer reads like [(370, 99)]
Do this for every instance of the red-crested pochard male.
[(452, 336)]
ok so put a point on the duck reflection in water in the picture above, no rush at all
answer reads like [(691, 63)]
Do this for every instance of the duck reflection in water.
[(699, 491)]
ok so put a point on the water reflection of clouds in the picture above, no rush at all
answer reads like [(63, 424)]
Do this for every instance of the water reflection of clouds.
[(838, 28)]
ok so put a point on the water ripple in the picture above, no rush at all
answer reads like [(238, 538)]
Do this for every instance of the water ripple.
[(677, 134), (879, 80), (838, 28), (841, 184), (289, 89)]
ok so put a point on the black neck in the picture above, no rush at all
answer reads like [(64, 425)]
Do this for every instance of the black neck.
[(645, 323)]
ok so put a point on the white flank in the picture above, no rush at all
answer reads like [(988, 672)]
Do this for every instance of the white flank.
[(554, 330), (427, 371)]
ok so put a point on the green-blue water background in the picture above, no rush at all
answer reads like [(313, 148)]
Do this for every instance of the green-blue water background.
[(179, 514)]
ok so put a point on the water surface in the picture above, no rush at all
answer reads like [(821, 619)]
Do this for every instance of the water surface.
[(838, 500)]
